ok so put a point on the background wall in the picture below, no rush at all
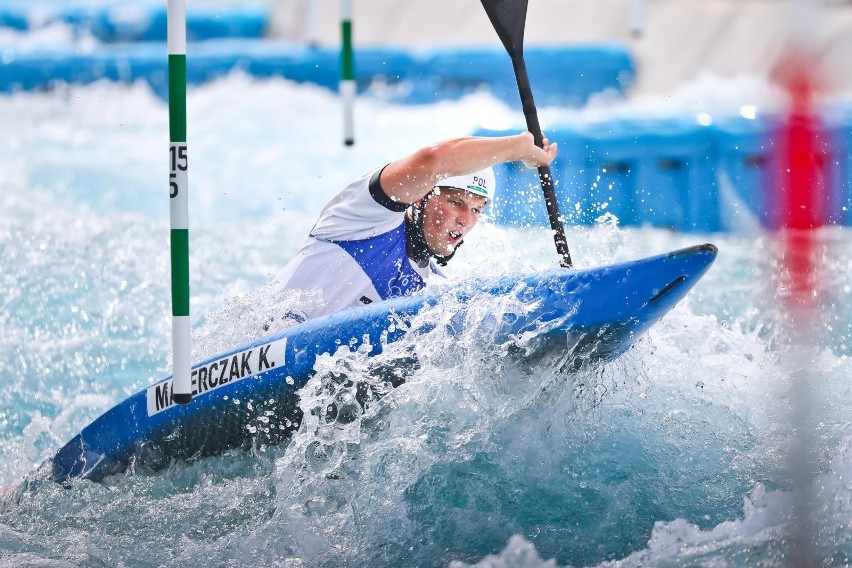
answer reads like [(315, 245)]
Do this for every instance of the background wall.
[(680, 38)]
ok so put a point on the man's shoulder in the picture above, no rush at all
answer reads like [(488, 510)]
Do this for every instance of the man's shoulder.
[(380, 196), (358, 211)]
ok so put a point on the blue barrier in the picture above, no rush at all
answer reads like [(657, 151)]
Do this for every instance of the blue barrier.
[(13, 18), (660, 173), (674, 174), (391, 73), (749, 162), (840, 208), (562, 76), (139, 21)]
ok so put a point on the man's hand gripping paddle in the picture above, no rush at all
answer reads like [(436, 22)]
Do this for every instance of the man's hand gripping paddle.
[(509, 18)]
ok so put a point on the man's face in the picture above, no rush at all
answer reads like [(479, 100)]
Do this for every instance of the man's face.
[(448, 217)]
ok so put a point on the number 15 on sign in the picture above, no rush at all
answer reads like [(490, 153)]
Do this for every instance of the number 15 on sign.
[(178, 165)]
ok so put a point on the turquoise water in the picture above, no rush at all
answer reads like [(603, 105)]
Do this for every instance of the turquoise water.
[(677, 454)]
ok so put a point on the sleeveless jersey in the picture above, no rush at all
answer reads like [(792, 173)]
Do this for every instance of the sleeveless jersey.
[(356, 253)]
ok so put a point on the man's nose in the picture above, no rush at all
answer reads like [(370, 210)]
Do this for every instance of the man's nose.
[(463, 217)]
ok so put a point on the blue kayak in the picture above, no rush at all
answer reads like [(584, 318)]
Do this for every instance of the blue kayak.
[(597, 313)]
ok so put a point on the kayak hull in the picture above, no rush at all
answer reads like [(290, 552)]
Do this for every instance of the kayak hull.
[(249, 396)]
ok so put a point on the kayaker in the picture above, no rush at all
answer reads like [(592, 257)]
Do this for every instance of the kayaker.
[(383, 235)]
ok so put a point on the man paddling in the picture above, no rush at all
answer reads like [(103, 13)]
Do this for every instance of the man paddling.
[(383, 235)]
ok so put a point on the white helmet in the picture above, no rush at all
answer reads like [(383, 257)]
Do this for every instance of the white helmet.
[(481, 183)]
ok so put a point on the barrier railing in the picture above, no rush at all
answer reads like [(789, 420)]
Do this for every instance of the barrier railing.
[(674, 174), (136, 21), (391, 74)]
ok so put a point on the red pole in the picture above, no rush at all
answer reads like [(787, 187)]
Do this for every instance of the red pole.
[(802, 184), (801, 204)]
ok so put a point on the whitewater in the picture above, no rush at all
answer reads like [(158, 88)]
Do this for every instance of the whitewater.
[(676, 454)]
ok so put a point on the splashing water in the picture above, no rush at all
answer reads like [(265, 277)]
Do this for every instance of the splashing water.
[(673, 455)]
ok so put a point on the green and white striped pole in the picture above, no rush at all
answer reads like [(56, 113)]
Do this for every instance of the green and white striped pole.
[(312, 25), (179, 202), (347, 66)]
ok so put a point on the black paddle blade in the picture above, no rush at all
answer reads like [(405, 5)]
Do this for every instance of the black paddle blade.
[(509, 18)]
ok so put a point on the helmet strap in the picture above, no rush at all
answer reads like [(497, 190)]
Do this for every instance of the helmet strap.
[(415, 236)]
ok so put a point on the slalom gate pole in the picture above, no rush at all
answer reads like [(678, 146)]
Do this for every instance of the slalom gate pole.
[(179, 202), (312, 23), (802, 205), (347, 68)]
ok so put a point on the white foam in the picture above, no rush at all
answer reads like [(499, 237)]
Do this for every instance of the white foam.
[(85, 322)]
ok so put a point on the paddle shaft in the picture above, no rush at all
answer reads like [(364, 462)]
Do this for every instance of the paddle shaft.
[(544, 175)]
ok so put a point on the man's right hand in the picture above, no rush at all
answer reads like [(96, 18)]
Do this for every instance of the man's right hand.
[(534, 157)]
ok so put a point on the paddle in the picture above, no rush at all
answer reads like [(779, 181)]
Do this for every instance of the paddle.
[(509, 18)]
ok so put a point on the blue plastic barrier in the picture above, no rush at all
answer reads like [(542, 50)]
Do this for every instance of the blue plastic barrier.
[(840, 209), (675, 174), (567, 75), (660, 173), (750, 159), (392, 73), (136, 21), (10, 17), (749, 162)]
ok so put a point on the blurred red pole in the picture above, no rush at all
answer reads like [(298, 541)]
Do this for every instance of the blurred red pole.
[(802, 179), (801, 212)]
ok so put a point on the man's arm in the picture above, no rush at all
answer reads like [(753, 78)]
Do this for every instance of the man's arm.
[(409, 179)]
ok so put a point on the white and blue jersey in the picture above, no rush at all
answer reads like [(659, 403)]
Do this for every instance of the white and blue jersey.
[(356, 253)]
